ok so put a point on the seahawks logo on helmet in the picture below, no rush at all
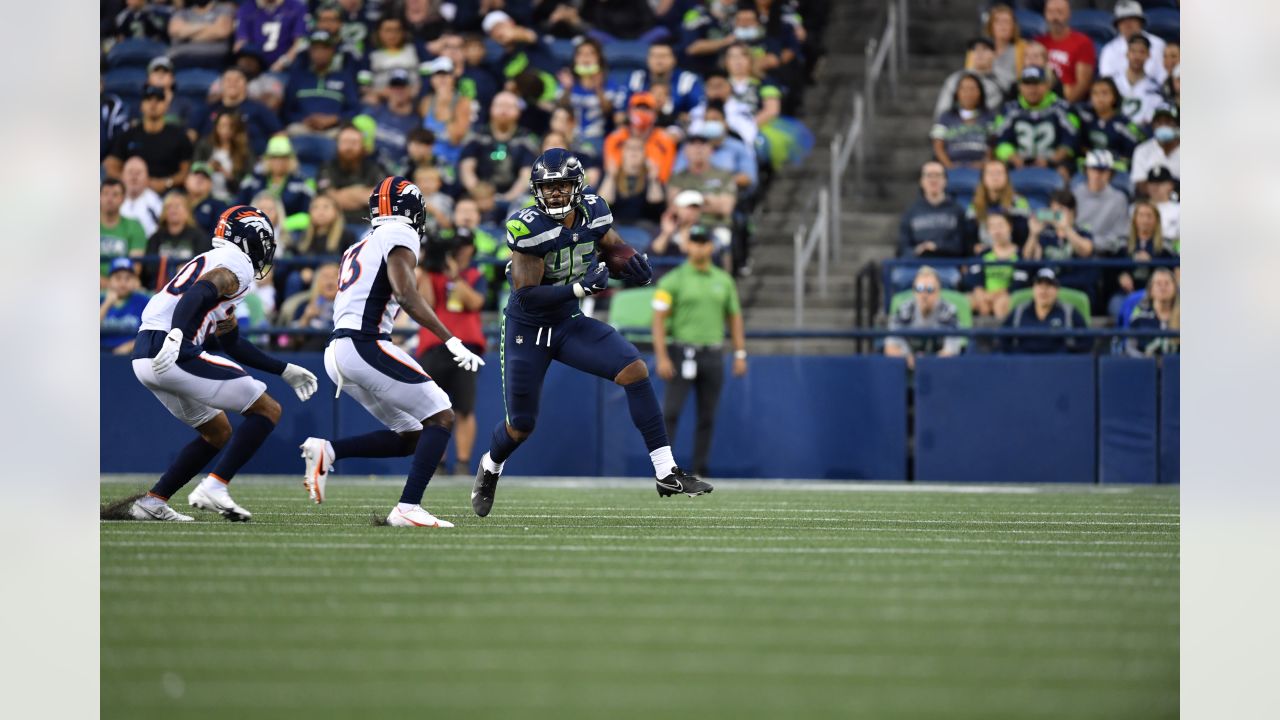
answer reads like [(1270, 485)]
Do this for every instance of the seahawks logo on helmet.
[(555, 166), (396, 199), (249, 230)]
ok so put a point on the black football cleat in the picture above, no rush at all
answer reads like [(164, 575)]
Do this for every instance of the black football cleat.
[(483, 491), (678, 482)]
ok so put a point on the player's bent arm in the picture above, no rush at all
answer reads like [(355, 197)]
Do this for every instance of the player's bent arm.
[(202, 297), (526, 287), (400, 264), (243, 351)]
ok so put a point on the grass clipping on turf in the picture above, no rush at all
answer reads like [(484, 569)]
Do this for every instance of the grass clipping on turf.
[(119, 509)]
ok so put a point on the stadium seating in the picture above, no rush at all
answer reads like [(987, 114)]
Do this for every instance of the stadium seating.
[(561, 51), (1030, 23), (1097, 24), (636, 237), (134, 52), (314, 150), (627, 54), (126, 82), (963, 181), (1164, 23), (1071, 296), (1035, 183), (633, 308), (194, 83)]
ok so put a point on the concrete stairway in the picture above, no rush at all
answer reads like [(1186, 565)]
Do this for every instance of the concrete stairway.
[(938, 30)]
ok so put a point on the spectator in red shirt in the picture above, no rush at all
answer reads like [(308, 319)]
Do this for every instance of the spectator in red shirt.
[(1071, 53), (456, 291)]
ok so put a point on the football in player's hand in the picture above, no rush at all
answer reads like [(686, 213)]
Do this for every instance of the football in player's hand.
[(615, 258)]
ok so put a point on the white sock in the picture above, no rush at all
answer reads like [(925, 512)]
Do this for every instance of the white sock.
[(663, 463), (405, 507), (491, 466), (212, 484)]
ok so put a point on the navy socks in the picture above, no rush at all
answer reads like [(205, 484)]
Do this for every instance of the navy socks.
[(431, 447), (245, 441), (383, 443), (646, 414), (501, 445), (191, 459)]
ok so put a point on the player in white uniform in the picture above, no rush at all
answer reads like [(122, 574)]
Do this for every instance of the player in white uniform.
[(170, 359), (377, 281)]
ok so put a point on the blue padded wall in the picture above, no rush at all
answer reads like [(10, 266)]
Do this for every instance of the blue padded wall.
[(1127, 420), (1008, 418)]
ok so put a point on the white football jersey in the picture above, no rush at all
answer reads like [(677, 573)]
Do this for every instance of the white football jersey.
[(158, 315), (365, 302)]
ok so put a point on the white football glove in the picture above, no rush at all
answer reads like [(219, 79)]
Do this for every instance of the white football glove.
[(466, 359), (168, 354), (301, 380)]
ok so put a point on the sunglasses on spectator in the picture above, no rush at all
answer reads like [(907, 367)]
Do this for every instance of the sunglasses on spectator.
[(927, 289)]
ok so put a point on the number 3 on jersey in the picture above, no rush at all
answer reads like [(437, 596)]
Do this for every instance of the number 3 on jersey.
[(350, 266)]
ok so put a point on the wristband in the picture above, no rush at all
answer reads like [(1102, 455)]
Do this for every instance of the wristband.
[(739, 354)]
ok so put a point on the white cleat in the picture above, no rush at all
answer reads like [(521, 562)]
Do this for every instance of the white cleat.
[(153, 508), (319, 456), (211, 494), (415, 516)]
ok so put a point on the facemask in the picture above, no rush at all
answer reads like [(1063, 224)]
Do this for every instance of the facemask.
[(968, 114), (713, 128), (586, 69), (748, 34), (1166, 134)]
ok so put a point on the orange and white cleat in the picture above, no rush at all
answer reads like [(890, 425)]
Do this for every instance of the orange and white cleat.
[(318, 453), (415, 516)]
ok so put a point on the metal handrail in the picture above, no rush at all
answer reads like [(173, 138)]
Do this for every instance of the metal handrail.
[(816, 240)]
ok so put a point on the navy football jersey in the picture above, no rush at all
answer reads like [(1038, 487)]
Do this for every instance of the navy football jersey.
[(566, 252)]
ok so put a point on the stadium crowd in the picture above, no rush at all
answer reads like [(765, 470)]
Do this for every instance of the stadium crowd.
[(679, 109), (1056, 144)]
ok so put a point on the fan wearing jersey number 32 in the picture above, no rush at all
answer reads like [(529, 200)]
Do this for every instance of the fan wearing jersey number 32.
[(377, 281), (194, 313)]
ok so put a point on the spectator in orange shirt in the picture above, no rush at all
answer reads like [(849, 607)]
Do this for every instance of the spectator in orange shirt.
[(659, 147)]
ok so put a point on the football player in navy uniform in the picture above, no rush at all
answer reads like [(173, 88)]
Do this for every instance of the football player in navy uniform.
[(558, 246)]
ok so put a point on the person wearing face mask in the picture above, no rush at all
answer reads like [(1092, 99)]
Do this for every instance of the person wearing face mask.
[(686, 90), (659, 146), (590, 93), (1160, 150), (705, 31)]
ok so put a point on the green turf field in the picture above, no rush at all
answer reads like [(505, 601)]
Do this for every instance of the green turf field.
[(607, 602)]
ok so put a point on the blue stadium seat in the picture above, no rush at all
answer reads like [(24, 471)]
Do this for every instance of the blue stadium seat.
[(1035, 183), (1120, 181), (134, 52), (636, 237), (493, 53), (561, 51), (963, 180), (1165, 23), (1126, 308), (314, 149), (627, 54), (1097, 24), (964, 200), (126, 82), (1030, 23), (308, 170), (194, 83)]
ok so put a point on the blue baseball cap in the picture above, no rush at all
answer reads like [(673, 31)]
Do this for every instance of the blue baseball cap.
[(120, 264), (1032, 74)]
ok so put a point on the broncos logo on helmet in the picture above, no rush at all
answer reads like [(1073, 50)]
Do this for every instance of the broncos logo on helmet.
[(557, 165), (250, 230), (396, 199)]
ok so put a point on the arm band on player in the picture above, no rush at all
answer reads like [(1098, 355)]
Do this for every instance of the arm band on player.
[(540, 297), (196, 302), (246, 353)]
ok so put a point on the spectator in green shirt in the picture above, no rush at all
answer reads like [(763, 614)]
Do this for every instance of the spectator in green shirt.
[(696, 298), (117, 235)]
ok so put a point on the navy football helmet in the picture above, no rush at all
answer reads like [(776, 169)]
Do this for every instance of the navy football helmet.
[(249, 229), (396, 199), (557, 165)]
